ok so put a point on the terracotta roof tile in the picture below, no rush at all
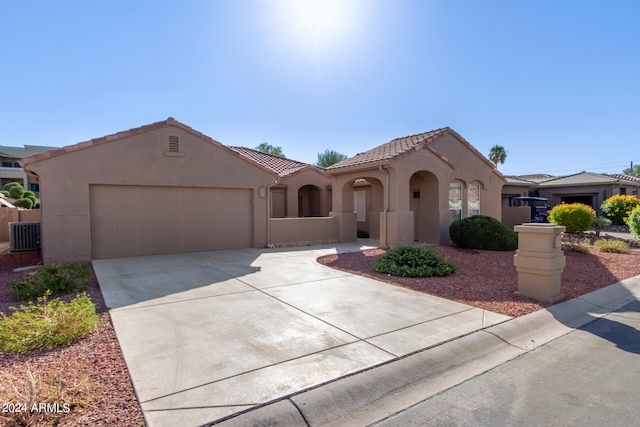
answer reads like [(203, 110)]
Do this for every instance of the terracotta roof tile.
[(280, 165), (392, 149), (625, 177)]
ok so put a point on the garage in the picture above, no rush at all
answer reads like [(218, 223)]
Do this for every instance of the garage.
[(146, 220)]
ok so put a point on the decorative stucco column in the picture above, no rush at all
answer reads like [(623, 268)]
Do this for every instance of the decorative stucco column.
[(540, 261)]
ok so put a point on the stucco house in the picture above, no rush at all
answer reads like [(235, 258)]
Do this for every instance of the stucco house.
[(166, 187), (10, 169), (588, 188)]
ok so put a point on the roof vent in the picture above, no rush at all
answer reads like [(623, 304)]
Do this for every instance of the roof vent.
[(174, 144), (174, 147)]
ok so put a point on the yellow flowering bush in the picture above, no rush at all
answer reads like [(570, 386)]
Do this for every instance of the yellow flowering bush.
[(618, 208), (576, 217), (634, 222)]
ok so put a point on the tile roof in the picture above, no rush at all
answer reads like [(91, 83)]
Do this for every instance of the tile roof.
[(625, 177), (116, 136), (393, 149), (517, 180), (280, 165), (537, 177), (580, 178)]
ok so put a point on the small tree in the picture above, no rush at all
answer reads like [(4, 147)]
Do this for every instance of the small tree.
[(635, 171), (329, 157), (265, 147), (497, 154)]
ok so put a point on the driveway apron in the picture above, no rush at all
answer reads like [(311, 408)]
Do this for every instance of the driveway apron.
[(209, 334)]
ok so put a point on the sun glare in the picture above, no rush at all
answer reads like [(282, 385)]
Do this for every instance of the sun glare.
[(318, 23)]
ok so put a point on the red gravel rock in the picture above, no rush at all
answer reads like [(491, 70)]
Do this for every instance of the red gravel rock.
[(108, 398), (488, 279)]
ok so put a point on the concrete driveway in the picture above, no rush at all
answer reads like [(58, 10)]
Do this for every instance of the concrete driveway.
[(209, 334)]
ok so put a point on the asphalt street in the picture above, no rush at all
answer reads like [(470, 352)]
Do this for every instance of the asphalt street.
[(588, 377)]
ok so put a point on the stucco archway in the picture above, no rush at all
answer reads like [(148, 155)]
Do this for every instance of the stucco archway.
[(309, 201), (365, 197)]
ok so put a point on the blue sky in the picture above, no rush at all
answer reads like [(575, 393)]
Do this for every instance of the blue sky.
[(557, 83)]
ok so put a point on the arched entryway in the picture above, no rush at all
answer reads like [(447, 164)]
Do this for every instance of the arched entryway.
[(365, 197), (309, 201), (425, 205)]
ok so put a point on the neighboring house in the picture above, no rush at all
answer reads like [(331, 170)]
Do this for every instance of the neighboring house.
[(585, 187), (10, 169), (165, 187), (417, 186)]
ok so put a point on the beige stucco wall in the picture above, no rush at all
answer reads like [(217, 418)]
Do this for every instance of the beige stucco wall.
[(303, 231), (141, 160), (430, 173)]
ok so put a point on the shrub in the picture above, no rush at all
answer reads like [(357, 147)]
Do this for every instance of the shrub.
[(16, 192), (612, 245), (483, 232), (576, 217), (53, 278), (5, 193), (23, 203), (47, 324), (598, 222), (31, 196), (413, 261), (63, 391), (634, 222), (617, 208), (572, 244), (9, 185)]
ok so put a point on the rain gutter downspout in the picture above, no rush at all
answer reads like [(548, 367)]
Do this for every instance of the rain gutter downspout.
[(386, 201), (268, 195)]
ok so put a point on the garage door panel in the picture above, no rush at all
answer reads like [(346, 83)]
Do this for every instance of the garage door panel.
[(129, 221)]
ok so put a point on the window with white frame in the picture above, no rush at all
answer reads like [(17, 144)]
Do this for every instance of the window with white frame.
[(473, 201), (455, 200)]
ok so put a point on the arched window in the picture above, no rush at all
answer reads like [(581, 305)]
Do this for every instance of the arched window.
[(473, 200), (455, 200)]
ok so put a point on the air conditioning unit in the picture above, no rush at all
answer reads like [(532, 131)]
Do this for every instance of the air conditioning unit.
[(24, 236)]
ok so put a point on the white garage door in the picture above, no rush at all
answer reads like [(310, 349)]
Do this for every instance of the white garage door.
[(131, 220)]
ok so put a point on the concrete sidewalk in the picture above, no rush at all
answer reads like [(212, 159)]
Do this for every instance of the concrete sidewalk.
[(207, 335), (575, 363)]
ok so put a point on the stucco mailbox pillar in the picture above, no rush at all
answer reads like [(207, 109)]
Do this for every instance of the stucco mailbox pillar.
[(539, 261)]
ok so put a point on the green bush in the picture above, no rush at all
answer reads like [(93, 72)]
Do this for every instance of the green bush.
[(576, 217), (483, 232), (634, 222), (413, 261), (16, 192), (9, 185), (23, 203), (31, 196), (47, 324), (54, 279), (612, 245), (5, 193), (618, 208)]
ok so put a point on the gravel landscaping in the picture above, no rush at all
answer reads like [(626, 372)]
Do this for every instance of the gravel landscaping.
[(91, 371), (100, 390), (488, 279)]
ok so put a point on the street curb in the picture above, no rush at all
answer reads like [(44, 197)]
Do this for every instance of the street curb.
[(377, 393)]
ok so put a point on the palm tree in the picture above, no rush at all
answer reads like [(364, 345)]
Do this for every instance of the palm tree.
[(497, 154)]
